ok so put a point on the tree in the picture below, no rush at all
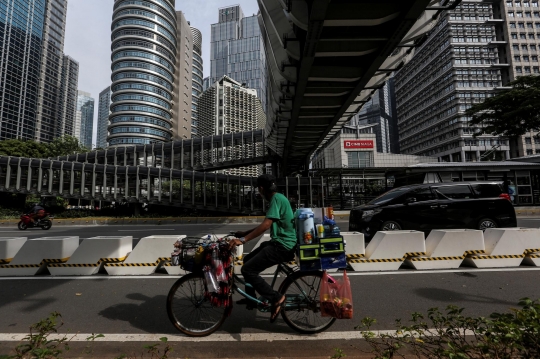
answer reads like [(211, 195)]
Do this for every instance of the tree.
[(61, 146), (511, 112)]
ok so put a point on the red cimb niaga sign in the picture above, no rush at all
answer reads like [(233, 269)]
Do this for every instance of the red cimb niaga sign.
[(358, 144)]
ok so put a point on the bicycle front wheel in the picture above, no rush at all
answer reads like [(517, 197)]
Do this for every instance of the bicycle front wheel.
[(302, 311), (189, 311)]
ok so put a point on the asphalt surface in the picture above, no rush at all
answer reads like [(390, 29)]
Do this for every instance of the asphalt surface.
[(109, 305)]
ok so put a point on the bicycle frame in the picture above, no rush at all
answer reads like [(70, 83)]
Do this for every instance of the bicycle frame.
[(292, 302)]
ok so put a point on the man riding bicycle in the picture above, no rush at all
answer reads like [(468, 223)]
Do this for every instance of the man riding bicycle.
[(280, 220)]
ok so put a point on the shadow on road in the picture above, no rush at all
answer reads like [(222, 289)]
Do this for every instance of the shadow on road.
[(150, 315), (450, 296)]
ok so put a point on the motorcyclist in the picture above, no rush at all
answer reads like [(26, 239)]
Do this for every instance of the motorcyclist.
[(37, 212)]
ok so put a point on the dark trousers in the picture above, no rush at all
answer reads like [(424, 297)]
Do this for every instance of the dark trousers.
[(267, 255)]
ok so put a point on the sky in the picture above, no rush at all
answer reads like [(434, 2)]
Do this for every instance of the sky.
[(88, 37)]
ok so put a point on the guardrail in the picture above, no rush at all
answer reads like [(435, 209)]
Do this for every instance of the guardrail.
[(387, 251)]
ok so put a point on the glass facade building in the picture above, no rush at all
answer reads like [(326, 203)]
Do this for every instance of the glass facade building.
[(380, 111), (85, 118), (50, 121), (21, 46), (103, 117), (68, 97), (144, 50), (236, 50), (197, 80)]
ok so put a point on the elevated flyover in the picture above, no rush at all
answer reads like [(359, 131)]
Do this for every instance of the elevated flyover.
[(326, 59)]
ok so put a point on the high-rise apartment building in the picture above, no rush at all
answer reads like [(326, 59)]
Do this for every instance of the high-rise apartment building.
[(68, 97), (182, 103), (49, 122), (458, 65), (237, 50), (104, 110), (228, 107), (197, 79), (144, 58), (380, 112), (84, 118), (519, 31), (21, 42)]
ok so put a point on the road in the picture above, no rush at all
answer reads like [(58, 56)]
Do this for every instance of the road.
[(136, 306)]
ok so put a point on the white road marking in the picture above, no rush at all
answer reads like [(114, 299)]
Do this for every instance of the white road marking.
[(138, 230), (242, 337), (337, 274)]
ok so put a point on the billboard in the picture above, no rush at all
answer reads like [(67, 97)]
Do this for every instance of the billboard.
[(354, 144)]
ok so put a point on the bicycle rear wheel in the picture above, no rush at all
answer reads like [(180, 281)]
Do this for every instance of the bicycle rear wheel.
[(189, 311), (303, 309)]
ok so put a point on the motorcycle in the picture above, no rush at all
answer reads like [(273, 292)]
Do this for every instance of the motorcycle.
[(26, 222)]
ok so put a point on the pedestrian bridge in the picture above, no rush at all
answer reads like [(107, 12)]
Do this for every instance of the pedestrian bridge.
[(211, 153), (146, 184)]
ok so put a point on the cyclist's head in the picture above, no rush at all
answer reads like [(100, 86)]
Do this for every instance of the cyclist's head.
[(267, 183)]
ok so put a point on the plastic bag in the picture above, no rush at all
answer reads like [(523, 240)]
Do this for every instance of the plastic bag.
[(336, 297)]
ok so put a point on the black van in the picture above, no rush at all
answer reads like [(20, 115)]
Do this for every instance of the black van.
[(458, 205)]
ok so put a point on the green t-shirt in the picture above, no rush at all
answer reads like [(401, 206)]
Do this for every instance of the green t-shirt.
[(282, 230)]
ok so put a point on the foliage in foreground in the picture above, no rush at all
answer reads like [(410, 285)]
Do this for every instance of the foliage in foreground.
[(511, 112), (455, 336), (44, 342)]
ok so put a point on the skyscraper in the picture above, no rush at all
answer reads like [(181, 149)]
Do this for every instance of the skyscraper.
[(144, 58), (381, 112), (197, 80), (458, 65), (85, 118), (104, 111), (21, 42), (237, 50), (182, 101), (228, 107), (68, 97), (49, 122), (521, 29)]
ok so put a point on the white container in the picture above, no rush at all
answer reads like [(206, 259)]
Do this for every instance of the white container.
[(305, 224)]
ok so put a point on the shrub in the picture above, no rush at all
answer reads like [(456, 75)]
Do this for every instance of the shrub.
[(455, 336)]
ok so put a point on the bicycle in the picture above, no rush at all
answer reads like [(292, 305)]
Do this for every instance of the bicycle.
[(193, 315)]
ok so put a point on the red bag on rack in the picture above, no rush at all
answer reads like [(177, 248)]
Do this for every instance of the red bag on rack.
[(336, 297)]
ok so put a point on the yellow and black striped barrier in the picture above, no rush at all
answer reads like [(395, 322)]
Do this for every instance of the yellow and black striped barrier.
[(156, 263), (499, 256), (47, 262), (87, 265)]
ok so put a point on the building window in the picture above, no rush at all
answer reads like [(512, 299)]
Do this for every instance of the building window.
[(519, 70), (529, 152), (527, 69), (360, 159), (521, 25), (536, 70), (517, 58), (525, 58), (528, 141), (509, 4), (512, 25), (523, 36), (510, 14), (515, 47), (534, 58)]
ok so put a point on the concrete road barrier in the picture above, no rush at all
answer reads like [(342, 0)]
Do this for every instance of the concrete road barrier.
[(388, 250), (9, 248), (506, 247), (447, 249), (92, 254), (35, 254), (147, 256)]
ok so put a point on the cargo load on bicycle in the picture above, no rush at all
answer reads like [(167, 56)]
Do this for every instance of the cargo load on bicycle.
[(320, 244)]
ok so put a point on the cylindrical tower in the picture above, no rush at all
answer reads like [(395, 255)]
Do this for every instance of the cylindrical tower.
[(144, 39), (197, 83)]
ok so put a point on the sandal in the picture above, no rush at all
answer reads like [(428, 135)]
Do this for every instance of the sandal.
[(276, 308)]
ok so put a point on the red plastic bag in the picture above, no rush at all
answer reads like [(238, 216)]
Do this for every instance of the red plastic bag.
[(336, 297)]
